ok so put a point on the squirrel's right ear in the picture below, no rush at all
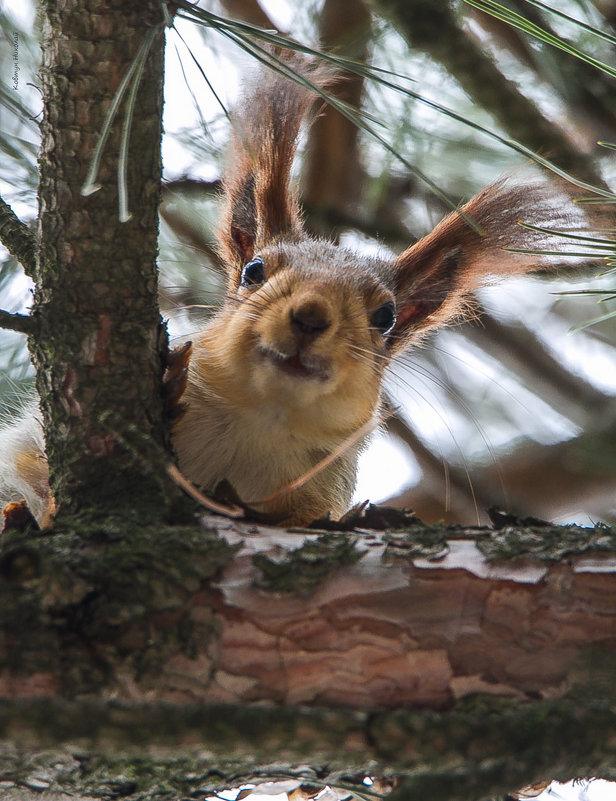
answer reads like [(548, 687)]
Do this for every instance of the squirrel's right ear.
[(434, 277)]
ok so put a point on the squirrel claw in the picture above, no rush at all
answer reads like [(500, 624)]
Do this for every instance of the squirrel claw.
[(174, 385), (179, 357), (175, 378), (175, 411)]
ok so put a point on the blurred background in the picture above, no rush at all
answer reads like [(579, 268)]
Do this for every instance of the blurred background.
[(512, 409)]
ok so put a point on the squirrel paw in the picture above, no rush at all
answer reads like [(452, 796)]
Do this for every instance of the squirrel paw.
[(174, 380)]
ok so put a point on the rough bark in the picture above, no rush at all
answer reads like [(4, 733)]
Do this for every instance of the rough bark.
[(98, 355), (443, 652)]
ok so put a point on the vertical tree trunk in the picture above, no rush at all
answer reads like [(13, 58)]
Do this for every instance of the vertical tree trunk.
[(99, 356)]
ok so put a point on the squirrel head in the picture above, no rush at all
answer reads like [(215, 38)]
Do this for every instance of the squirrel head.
[(306, 320)]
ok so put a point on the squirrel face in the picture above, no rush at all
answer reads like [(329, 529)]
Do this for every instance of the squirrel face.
[(301, 322), (305, 333)]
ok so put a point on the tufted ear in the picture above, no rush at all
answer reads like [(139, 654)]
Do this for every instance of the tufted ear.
[(259, 203), (434, 277)]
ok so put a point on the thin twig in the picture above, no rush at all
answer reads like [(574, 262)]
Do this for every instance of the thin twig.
[(190, 489), (17, 238), (17, 322)]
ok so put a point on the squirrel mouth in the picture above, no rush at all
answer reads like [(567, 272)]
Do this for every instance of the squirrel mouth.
[(297, 365)]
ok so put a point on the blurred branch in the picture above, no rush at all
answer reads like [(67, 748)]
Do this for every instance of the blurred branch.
[(330, 219), (179, 224), (17, 322), (535, 479), (451, 499), (608, 9), (568, 478), (589, 94), (432, 28), (17, 238), (517, 348), (194, 186), (332, 175), (248, 11)]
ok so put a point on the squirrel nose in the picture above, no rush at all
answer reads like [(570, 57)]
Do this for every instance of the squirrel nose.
[(309, 319)]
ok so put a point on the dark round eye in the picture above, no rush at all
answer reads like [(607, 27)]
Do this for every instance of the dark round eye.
[(253, 273), (384, 318)]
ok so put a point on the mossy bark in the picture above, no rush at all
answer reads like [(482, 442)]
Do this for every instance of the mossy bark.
[(100, 345)]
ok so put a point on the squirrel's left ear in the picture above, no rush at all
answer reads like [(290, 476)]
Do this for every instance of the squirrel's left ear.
[(260, 203), (434, 277)]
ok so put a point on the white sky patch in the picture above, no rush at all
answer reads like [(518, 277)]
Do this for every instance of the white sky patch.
[(189, 100), (280, 12), (385, 469)]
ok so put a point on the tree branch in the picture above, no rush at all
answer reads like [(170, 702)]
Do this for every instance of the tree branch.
[(522, 740), (249, 11), (433, 29), (423, 649), (17, 238), (17, 322)]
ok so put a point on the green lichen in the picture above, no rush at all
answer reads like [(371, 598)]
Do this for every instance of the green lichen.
[(418, 540), (302, 570), (127, 590), (547, 544), (542, 542)]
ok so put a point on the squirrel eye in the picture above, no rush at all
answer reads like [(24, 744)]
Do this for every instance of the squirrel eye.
[(384, 318), (253, 273)]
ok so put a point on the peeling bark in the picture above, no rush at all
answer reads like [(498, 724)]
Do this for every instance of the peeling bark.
[(416, 619), (468, 653)]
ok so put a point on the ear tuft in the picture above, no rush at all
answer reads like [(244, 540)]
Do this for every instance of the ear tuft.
[(260, 205)]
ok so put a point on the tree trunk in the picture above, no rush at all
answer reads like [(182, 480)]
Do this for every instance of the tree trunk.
[(98, 354), (332, 174)]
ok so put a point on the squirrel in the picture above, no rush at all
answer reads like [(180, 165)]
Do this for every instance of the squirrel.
[(292, 365)]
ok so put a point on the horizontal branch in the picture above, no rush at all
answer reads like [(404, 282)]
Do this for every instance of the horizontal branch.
[(17, 238), (475, 657), (17, 322), (477, 751)]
